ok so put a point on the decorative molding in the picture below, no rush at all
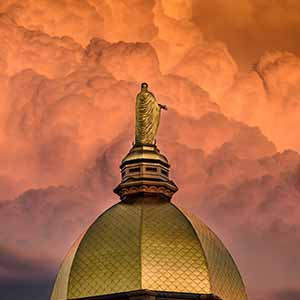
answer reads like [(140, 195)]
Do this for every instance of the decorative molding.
[(145, 188)]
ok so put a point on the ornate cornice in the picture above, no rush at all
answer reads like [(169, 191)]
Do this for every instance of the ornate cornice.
[(125, 190)]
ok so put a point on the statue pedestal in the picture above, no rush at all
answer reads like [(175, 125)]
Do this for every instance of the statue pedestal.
[(145, 171)]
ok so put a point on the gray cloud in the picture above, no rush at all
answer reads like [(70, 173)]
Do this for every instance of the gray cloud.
[(288, 294)]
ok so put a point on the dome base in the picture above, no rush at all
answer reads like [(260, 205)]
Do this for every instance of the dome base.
[(151, 295)]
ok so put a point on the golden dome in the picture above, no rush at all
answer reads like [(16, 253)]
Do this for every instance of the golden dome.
[(145, 244), (148, 244)]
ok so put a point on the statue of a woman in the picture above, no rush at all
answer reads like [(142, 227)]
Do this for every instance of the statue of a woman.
[(147, 116)]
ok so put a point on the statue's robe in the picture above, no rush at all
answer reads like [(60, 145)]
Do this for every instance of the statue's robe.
[(147, 118)]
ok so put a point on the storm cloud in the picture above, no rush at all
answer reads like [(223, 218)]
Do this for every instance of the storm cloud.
[(229, 74)]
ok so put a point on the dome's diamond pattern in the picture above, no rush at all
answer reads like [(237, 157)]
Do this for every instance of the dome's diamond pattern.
[(225, 278), (172, 257), (108, 258), (151, 245), (60, 289)]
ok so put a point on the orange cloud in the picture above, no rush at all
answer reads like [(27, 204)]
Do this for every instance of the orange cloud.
[(69, 73)]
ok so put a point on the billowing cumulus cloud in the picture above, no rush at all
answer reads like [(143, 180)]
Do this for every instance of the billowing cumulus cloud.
[(249, 198), (25, 49), (69, 73), (250, 28), (211, 61), (268, 97), (46, 99)]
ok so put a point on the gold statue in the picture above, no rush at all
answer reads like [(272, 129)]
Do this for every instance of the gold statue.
[(147, 116)]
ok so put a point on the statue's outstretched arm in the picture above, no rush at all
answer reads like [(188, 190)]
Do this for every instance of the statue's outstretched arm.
[(162, 106)]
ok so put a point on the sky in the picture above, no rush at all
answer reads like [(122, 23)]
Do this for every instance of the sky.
[(229, 72)]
